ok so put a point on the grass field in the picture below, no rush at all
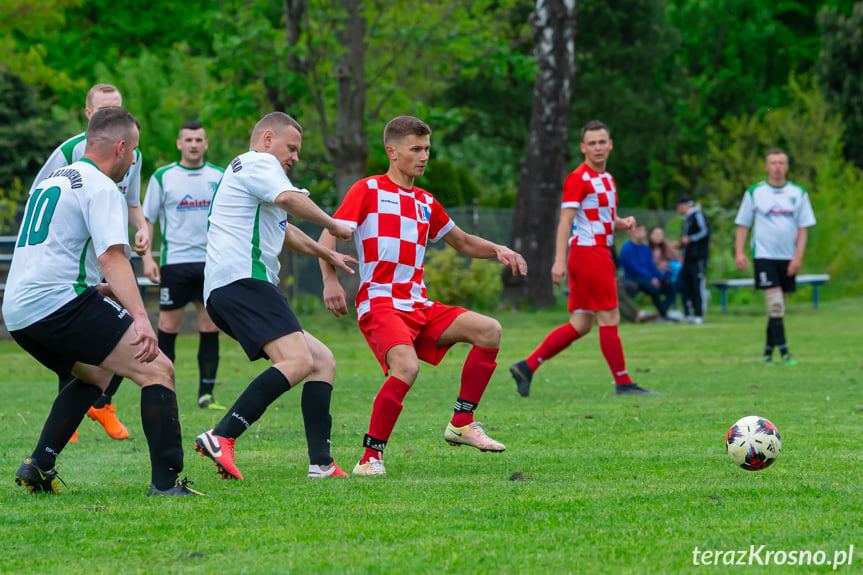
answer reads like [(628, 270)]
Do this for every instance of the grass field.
[(590, 482)]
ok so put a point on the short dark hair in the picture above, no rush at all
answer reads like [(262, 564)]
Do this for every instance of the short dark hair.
[(111, 125), (776, 152), (190, 126), (685, 199), (402, 126), (275, 121), (592, 126)]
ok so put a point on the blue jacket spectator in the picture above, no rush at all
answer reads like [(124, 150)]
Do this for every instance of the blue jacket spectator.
[(636, 259)]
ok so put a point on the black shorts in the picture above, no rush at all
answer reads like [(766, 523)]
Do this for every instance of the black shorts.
[(181, 284), (84, 330), (774, 274), (253, 312)]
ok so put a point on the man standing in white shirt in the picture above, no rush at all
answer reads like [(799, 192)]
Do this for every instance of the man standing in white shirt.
[(780, 214)]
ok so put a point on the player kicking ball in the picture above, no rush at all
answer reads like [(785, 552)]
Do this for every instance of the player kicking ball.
[(392, 221)]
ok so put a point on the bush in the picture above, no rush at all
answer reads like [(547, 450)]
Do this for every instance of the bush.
[(455, 280)]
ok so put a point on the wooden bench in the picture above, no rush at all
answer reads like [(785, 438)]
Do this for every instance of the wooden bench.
[(814, 280)]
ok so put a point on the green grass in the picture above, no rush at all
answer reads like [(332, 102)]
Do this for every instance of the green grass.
[(590, 482)]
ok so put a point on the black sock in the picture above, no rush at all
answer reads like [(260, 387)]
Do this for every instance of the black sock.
[(252, 404), (161, 423), (167, 342), (109, 392), (315, 404), (776, 332), (208, 362), (66, 414)]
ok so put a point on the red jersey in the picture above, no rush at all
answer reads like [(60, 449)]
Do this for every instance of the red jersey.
[(595, 196), (392, 227)]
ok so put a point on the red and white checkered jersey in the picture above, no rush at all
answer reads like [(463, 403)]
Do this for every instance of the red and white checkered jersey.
[(392, 227), (595, 196)]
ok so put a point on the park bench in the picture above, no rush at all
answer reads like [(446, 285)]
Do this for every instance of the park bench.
[(814, 280)]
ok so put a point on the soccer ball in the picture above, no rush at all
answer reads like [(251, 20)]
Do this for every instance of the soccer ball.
[(753, 443)]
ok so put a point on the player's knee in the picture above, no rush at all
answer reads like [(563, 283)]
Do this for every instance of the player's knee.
[(489, 333), (324, 363), (775, 304), (406, 371)]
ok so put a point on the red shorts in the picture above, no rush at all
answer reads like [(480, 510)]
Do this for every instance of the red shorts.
[(592, 285), (384, 327)]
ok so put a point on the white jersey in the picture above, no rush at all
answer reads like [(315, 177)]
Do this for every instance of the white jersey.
[(247, 229), (71, 219), (72, 150), (777, 214), (180, 198)]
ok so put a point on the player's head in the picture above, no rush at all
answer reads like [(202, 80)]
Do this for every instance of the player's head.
[(776, 165), (280, 135), (407, 141), (192, 143), (112, 136), (596, 144), (102, 96)]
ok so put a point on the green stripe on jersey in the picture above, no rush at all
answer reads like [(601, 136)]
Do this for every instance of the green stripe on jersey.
[(259, 270), (81, 281), (69, 146), (161, 172)]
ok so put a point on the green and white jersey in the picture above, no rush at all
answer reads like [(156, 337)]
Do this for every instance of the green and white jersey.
[(72, 218), (247, 229), (180, 198), (72, 150), (775, 215)]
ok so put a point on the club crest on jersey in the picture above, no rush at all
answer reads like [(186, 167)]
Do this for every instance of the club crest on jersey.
[(423, 212), (188, 204), (213, 186), (283, 225)]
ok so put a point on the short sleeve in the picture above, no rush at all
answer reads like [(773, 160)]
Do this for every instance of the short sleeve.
[(133, 191), (153, 200), (266, 179), (746, 212), (353, 209), (440, 223), (805, 215), (573, 190), (105, 220)]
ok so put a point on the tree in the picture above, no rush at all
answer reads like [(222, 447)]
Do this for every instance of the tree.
[(542, 173), (840, 71)]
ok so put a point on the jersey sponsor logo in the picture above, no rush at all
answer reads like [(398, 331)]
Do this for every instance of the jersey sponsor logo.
[(74, 177), (777, 212), (423, 212), (236, 165), (188, 204), (194, 175), (283, 225)]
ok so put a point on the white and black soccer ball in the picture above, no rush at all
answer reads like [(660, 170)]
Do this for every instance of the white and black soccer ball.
[(753, 443)]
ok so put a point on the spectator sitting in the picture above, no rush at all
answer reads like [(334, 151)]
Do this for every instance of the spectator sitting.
[(667, 259), (636, 259)]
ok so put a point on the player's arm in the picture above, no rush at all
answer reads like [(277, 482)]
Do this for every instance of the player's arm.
[(739, 242), (799, 248), (561, 242), (480, 248), (297, 240), (121, 280), (151, 268), (335, 299), (299, 205), (142, 233)]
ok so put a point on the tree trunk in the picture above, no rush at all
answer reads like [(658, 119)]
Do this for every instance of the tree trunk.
[(542, 173)]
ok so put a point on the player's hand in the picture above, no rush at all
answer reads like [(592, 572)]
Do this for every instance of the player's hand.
[(334, 298), (151, 270), (146, 339), (794, 267), (512, 260), (340, 261), (742, 262), (558, 273), (341, 231), (142, 242), (626, 223)]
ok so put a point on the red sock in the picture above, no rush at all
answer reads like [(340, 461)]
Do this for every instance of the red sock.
[(475, 375), (385, 412), (554, 343), (612, 349)]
